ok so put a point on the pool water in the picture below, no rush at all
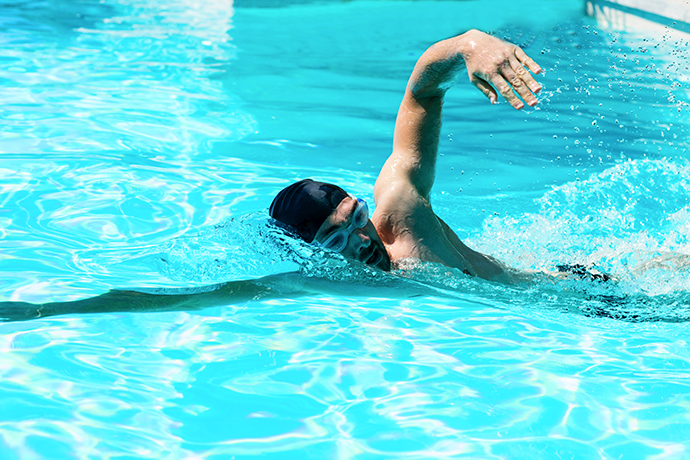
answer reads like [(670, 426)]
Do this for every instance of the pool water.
[(143, 141)]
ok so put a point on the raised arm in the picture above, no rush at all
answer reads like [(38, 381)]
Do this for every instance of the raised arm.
[(494, 67)]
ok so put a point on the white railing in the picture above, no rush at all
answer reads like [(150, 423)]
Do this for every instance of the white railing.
[(641, 14)]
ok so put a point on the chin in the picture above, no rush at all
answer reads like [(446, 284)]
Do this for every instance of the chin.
[(385, 262)]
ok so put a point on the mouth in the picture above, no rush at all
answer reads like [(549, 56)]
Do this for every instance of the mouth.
[(374, 258)]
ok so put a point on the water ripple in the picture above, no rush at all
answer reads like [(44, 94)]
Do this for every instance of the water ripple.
[(114, 174)]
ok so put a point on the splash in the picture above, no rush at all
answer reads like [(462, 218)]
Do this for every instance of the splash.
[(251, 246), (243, 247), (629, 221), (626, 227)]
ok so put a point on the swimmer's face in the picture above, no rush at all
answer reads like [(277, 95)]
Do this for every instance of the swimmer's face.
[(363, 244)]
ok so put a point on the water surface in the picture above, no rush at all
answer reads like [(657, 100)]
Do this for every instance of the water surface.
[(143, 141)]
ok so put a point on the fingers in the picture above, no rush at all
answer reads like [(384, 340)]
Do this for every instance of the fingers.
[(527, 61), (511, 79), (502, 68), (525, 76), (505, 90), (521, 81), (518, 66), (486, 89)]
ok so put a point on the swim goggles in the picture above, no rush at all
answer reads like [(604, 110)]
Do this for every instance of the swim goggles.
[(338, 240)]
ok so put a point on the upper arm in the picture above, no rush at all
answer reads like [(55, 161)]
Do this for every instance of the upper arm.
[(412, 165), (492, 64)]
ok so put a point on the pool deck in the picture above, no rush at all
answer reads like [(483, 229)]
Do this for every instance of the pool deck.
[(641, 14)]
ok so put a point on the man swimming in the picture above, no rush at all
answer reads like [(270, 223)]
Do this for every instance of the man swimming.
[(404, 224)]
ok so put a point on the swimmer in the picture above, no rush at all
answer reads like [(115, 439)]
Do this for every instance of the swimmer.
[(403, 226)]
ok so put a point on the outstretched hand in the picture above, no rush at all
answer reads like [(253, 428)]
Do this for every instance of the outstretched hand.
[(498, 67)]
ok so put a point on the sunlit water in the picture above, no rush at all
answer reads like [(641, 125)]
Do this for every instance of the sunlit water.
[(142, 142)]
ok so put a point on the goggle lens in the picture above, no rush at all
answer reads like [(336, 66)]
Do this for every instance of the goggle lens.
[(338, 240)]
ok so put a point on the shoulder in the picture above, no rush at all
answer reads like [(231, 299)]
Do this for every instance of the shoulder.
[(395, 192), (402, 216), (396, 200)]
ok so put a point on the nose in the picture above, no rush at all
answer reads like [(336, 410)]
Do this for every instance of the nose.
[(362, 240)]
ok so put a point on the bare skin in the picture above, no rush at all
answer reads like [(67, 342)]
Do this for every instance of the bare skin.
[(404, 222), (269, 287)]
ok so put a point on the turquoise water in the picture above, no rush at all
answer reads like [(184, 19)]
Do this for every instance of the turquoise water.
[(142, 142)]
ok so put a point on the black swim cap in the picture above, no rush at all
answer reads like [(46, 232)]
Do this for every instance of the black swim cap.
[(305, 205)]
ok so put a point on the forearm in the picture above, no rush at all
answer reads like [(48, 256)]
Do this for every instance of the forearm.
[(418, 124), (283, 285), (126, 301), (493, 66), (439, 68)]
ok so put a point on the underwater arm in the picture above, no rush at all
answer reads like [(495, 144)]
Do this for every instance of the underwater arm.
[(494, 66), (124, 301), (285, 285)]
